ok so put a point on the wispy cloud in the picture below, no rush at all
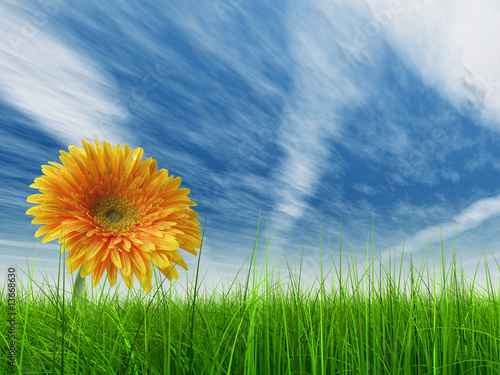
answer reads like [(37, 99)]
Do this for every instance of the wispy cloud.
[(450, 44), (444, 45), (471, 217), (65, 92)]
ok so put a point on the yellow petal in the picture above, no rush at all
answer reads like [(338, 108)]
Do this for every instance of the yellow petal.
[(138, 261), (116, 258), (151, 231), (95, 246), (126, 267)]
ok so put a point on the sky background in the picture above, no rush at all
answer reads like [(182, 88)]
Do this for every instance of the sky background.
[(311, 112)]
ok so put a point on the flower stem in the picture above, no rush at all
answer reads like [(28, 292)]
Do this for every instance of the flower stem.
[(78, 288)]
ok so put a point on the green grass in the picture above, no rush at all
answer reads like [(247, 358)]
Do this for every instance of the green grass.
[(264, 329)]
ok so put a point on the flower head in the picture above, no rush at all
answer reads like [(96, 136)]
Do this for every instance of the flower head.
[(115, 212)]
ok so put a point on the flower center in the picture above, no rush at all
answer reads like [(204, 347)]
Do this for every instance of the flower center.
[(114, 216), (115, 213)]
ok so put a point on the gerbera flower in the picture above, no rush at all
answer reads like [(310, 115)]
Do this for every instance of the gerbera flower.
[(115, 212)]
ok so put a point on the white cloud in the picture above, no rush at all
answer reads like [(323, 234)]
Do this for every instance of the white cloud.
[(451, 175), (441, 41), (323, 83), (66, 93), (365, 189), (472, 217), (451, 44)]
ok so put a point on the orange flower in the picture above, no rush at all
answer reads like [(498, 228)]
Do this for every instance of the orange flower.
[(115, 211)]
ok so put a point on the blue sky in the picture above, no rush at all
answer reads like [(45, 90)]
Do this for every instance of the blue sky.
[(306, 110)]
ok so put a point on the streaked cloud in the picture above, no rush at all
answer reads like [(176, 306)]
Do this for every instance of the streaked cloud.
[(63, 90)]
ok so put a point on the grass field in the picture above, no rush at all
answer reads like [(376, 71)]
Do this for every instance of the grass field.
[(441, 327)]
